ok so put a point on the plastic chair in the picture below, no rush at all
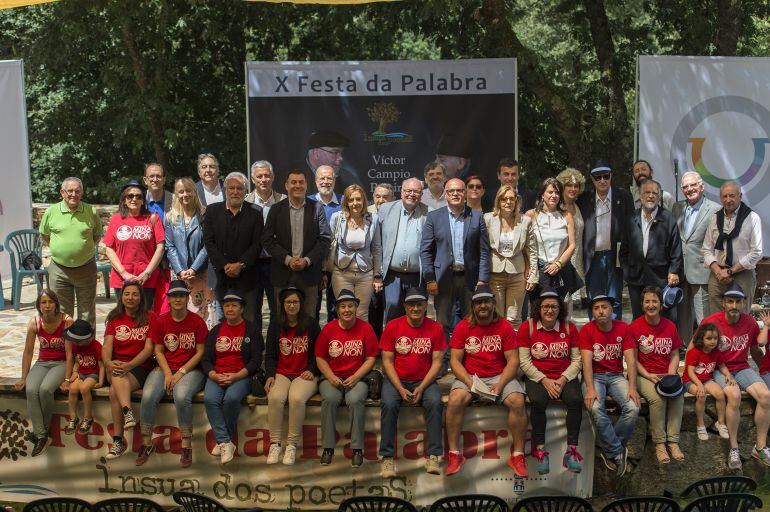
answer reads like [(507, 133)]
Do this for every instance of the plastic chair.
[(729, 502), (127, 505), (59, 504), (2, 298), (720, 485), (192, 502), (376, 504), (18, 244), (470, 502), (104, 269), (552, 504), (643, 504)]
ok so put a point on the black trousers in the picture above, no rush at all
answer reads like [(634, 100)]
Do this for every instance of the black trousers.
[(571, 394)]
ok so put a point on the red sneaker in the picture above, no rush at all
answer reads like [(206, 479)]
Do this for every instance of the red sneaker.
[(455, 462), (518, 463)]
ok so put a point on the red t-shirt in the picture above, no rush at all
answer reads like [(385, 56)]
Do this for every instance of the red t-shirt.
[(51, 344), (228, 348), (608, 347), (179, 338), (735, 340), (88, 357), (550, 350), (128, 340), (346, 349), (133, 239), (484, 346), (412, 347), (655, 343), (703, 364), (292, 353)]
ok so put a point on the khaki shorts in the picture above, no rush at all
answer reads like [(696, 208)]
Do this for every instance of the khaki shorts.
[(513, 386)]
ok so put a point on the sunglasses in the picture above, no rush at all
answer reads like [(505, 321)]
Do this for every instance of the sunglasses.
[(134, 196), (475, 187), (601, 177)]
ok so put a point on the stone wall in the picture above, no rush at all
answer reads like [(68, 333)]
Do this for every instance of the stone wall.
[(105, 211), (703, 459)]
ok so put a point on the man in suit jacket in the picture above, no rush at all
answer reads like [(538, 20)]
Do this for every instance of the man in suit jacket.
[(652, 252), (232, 232), (401, 225), (209, 188), (454, 254), (297, 237), (606, 210), (692, 218), (508, 173)]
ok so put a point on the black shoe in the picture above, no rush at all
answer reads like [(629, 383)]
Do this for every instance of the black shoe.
[(326, 456), (621, 462), (358, 458), (41, 443), (608, 462)]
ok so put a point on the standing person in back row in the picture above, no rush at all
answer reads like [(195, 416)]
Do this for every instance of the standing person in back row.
[(72, 229), (732, 247), (605, 211)]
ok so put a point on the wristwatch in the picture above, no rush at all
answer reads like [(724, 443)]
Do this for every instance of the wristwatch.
[(729, 271)]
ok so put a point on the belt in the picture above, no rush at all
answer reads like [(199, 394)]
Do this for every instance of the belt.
[(401, 272)]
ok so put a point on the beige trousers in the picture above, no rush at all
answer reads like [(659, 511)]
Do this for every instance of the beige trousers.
[(298, 391), (665, 413), (360, 283), (509, 290)]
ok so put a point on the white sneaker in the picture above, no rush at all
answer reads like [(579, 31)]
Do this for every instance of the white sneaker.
[(227, 452), (703, 434), (290, 455), (734, 459), (432, 465), (216, 450), (722, 429), (388, 467), (274, 455)]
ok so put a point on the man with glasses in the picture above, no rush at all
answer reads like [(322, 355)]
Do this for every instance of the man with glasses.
[(232, 232), (606, 210), (325, 180), (72, 229), (692, 216), (401, 224), (158, 198), (454, 254), (327, 147)]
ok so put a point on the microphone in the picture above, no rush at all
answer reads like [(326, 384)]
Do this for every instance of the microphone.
[(676, 179)]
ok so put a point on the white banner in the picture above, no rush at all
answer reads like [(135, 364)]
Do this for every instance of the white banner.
[(75, 465), (15, 194), (712, 115)]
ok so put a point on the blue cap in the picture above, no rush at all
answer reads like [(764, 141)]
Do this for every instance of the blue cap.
[(734, 290), (600, 167)]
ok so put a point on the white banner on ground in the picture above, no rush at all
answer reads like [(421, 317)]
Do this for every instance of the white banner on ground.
[(15, 194), (75, 465), (712, 115)]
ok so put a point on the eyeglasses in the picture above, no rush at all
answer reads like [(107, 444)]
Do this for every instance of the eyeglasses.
[(291, 302), (507, 199), (475, 187), (453, 191), (134, 196), (412, 192), (335, 152), (549, 306), (601, 177)]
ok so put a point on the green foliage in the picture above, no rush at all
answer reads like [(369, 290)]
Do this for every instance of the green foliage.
[(112, 85)]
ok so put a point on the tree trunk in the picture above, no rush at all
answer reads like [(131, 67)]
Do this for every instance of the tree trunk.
[(619, 133), (500, 40), (729, 25), (143, 85)]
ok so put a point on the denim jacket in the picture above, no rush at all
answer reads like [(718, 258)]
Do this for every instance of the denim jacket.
[(184, 245)]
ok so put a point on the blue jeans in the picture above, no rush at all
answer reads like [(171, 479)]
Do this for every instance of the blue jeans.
[(154, 390), (390, 405), (223, 405), (395, 287), (613, 439), (604, 278), (264, 287)]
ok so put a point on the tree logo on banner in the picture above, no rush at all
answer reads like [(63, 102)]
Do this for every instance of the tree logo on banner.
[(385, 113), (720, 104)]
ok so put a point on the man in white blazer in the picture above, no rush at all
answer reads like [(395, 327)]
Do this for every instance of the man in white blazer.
[(692, 216)]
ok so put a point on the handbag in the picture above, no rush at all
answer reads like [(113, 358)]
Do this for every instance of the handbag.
[(331, 258), (258, 383), (373, 379)]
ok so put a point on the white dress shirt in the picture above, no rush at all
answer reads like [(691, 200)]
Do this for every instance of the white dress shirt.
[(604, 222), (747, 246)]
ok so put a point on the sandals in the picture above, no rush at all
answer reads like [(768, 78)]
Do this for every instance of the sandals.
[(662, 454), (676, 453)]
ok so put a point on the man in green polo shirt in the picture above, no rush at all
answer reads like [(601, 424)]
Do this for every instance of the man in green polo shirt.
[(71, 229)]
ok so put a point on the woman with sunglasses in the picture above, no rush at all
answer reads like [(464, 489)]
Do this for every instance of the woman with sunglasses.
[(514, 254), (474, 186), (134, 242)]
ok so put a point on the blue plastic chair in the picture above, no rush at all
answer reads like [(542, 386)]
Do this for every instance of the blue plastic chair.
[(19, 243), (103, 268)]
